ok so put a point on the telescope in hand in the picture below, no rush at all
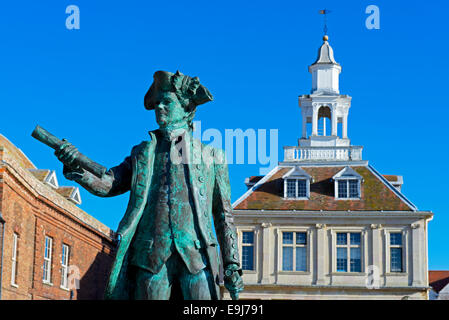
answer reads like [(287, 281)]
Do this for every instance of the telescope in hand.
[(53, 142)]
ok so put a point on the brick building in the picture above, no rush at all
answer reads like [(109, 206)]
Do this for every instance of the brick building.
[(50, 248)]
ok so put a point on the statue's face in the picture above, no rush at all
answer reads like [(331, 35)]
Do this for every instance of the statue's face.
[(168, 109)]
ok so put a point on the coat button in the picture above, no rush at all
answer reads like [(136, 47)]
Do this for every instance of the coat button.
[(235, 256), (202, 192), (198, 166), (201, 179), (205, 213)]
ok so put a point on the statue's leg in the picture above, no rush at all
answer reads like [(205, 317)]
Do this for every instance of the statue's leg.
[(198, 286), (150, 286)]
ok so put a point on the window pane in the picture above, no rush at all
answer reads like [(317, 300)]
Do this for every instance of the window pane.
[(301, 238), (46, 268), (342, 238), (291, 188), (396, 239), (47, 247), (287, 258), (396, 259), (355, 238), (342, 260), (342, 189), (248, 237), (353, 188), (302, 189), (356, 262), (287, 237), (301, 259), (63, 255), (248, 258)]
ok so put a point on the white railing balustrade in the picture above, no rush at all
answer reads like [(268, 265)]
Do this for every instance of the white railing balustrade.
[(353, 153)]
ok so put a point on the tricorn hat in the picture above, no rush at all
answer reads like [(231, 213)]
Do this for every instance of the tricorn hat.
[(188, 90)]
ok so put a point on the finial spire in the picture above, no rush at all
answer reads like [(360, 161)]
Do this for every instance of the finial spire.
[(325, 12)]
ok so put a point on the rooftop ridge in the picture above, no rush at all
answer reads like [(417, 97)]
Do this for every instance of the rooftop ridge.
[(39, 188)]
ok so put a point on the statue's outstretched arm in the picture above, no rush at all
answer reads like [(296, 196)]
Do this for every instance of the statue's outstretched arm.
[(115, 181)]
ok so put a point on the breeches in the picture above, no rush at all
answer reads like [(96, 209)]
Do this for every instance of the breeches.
[(151, 286)]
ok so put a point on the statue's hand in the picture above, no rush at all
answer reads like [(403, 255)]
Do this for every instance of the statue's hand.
[(233, 280), (67, 154)]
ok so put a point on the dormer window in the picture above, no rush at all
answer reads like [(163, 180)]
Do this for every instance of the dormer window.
[(347, 184), (296, 184), (348, 189)]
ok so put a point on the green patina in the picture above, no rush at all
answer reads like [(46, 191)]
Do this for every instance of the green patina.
[(179, 192)]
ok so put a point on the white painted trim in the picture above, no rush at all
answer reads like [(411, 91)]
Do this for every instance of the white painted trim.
[(363, 248), (405, 247), (333, 214), (52, 176), (75, 193), (295, 229), (255, 245), (352, 174), (361, 163), (392, 188)]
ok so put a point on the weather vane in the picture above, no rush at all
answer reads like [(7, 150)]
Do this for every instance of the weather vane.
[(325, 12)]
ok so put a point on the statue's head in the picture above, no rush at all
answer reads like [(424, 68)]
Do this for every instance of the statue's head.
[(174, 97)]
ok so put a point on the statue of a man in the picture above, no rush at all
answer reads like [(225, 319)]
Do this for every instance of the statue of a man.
[(179, 189)]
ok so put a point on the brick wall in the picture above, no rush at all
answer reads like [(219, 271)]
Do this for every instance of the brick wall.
[(32, 216)]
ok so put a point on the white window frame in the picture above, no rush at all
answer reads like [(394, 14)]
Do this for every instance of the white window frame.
[(348, 246), (294, 246), (296, 173), (14, 264), (296, 197), (363, 252), (65, 254), (48, 252), (396, 246), (348, 174), (254, 245), (387, 232)]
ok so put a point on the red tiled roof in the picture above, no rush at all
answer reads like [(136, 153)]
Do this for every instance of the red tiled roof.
[(438, 279), (375, 195)]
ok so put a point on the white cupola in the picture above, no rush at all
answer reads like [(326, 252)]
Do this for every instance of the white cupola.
[(325, 70), (324, 115)]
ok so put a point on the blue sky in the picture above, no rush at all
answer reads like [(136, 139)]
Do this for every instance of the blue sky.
[(87, 85)]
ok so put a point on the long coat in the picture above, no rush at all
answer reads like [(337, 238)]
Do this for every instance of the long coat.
[(208, 180)]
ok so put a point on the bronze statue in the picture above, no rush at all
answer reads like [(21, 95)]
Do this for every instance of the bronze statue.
[(177, 186)]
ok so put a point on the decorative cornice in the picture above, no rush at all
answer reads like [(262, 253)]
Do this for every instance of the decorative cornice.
[(240, 213), (266, 224)]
